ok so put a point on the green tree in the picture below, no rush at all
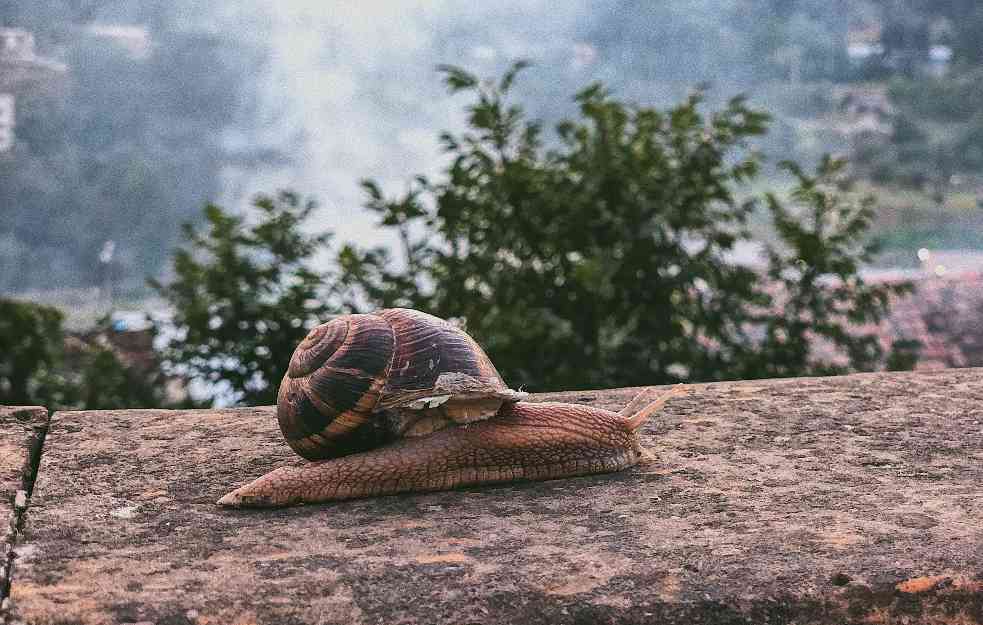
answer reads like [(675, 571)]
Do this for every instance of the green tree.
[(31, 347), (94, 378), (937, 132), (814, 270), (937, 116), (243, 296), (36, 368), (606, 257)]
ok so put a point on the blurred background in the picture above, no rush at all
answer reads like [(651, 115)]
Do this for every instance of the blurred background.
[(121, 120)]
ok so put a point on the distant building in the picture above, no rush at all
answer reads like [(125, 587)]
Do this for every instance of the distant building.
[(866, 48), (134, 39), (865, 110), (863, 43), (20, 69), (7, 119)]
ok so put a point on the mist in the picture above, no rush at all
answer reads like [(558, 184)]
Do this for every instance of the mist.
[(167, 106), (351, 90)]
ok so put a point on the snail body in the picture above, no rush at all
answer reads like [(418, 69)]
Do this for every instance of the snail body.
[(399, 400)]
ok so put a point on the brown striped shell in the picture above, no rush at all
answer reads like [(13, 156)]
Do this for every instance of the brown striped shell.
[(361, 381)]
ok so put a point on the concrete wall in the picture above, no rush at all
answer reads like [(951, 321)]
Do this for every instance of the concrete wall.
[(855, 499)]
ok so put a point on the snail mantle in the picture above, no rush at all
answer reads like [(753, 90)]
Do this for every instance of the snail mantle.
[(817, 500)]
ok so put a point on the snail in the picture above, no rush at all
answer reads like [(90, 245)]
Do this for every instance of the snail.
[(399, 400)]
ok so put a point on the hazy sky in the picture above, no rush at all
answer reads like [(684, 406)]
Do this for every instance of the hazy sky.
[(313, 96), (351, 91)]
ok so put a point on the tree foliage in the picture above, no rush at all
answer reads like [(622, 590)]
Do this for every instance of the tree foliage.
[(935, 106), (821, 298), (243, 296), (605, 256), (608, 256), (36, 367), (31, 344)]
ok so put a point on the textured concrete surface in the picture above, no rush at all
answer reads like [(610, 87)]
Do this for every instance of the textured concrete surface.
[(21, 432), (838, 500)]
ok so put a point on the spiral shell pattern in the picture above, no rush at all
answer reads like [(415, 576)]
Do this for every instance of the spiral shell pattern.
[(348, 375), (426, 347), (333, 384)]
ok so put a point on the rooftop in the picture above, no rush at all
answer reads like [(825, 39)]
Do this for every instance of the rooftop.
[(18, 55)]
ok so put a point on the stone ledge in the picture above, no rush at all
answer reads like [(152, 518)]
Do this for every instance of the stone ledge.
[(21, 435), (823, 500)]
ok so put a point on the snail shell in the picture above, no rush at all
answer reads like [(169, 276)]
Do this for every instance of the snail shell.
[(360, 381)]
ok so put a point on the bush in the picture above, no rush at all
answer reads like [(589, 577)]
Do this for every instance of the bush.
[(36, 368), (602, 257), (31, 348), (606, 257), (244, 296)]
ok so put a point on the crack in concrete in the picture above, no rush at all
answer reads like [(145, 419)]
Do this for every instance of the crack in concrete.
[(22, 500)]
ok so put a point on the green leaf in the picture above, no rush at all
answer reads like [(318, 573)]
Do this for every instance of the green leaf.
[(456, 78)]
